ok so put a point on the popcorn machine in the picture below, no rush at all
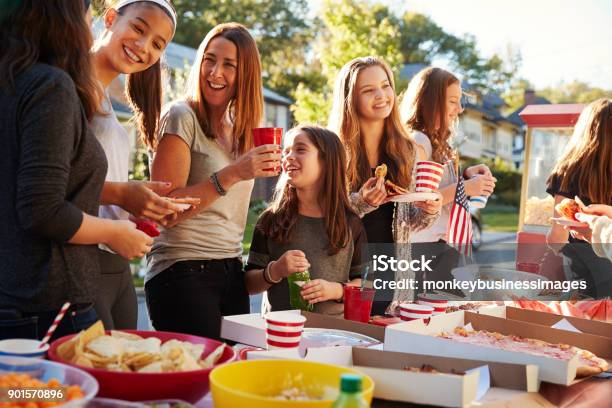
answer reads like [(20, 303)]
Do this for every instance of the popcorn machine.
[(549, 128)]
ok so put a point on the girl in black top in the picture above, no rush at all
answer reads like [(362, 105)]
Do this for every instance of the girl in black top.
[(585, 170), (52, 172)]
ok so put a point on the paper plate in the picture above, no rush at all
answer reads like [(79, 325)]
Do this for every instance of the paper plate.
[(411, 197), (569, 223)]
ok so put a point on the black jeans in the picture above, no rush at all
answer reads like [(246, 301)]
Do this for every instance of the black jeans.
[(16, 324), (192, 296)]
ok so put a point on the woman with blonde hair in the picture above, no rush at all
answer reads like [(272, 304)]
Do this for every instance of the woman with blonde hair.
[(205, 149), (584, 171), (365, 116)]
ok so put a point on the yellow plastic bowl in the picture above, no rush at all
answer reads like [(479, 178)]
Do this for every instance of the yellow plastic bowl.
[(255, 383)]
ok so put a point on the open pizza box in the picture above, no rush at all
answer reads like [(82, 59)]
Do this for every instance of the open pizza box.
[(394, 383), (550, 319), (250, 329), (419, 337)]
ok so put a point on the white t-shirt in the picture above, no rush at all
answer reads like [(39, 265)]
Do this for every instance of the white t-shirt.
[(116, 144), (438, 229)]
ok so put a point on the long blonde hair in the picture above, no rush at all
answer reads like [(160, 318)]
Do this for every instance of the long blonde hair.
[(423, 108), (588, 155), (398, 148), (246, 109)]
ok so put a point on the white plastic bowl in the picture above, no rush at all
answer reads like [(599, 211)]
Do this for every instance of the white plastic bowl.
[(23, 348)]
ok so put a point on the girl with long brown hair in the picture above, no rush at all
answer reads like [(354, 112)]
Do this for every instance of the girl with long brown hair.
[(53, 170), (430, 109), (585, 170), (206, 151), (310, 225), (365, 116), (136, 33)]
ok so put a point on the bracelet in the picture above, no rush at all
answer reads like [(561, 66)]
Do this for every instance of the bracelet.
[(266, 275), (215, 181), (341, 300)]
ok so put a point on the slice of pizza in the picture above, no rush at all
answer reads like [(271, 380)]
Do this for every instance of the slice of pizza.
[(568, 209), (588, 363), (393, 189)]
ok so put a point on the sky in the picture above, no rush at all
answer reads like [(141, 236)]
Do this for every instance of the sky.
[(559, 40)]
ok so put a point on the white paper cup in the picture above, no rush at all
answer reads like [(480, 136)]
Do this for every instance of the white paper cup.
[(414, 311), (478, 201), (284, 330), (428, 176), (23, 348), (439, 305)]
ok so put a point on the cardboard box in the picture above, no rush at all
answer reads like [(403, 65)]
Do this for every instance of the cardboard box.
[(251, 328), (420, 337), (393, 382), (549, 319)]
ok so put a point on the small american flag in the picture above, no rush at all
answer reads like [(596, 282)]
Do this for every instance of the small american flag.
[(460, 221)]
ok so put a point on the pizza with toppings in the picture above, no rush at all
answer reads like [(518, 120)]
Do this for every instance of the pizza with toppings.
[(568, 209), (588, 363)]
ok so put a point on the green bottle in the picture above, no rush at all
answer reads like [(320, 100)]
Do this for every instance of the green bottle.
[(295, 298), (351, 395)]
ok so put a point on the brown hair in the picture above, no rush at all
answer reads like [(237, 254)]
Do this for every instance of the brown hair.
[(54, 33), (399, 149), (144, 90), (246, 109), (279, 220), (424, 105), (588, 156)]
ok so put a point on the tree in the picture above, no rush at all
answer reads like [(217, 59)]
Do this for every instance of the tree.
[(349, 29), (423, 41), (574, 92), (279, 27)]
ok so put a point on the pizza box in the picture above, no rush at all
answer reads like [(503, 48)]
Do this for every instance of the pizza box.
[(418, 337), (394, 383), (251, 328), (549, 319)]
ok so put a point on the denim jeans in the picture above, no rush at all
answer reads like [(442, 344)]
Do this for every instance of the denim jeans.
[(16, 324)]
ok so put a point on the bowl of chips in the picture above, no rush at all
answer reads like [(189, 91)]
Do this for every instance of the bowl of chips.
[(143, 365)]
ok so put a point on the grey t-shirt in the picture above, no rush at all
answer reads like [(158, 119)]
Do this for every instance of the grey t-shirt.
[(216, 232), (310, 237)]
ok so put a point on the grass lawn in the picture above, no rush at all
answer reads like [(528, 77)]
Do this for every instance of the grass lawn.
[(500, 218)]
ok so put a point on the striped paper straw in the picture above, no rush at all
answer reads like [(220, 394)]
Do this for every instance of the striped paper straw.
[(56, 322)]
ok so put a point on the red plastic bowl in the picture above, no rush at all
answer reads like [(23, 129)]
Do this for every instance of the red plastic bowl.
[(190, 386)]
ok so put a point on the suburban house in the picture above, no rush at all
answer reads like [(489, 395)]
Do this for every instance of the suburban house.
[(179, 58), (483, 131)]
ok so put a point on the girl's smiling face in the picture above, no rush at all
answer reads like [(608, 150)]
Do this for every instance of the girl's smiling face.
[(136, 37), (453, 103), (301, 162), (374, 94)]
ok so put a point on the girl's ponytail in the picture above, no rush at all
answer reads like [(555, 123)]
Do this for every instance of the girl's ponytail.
[(144, 93)]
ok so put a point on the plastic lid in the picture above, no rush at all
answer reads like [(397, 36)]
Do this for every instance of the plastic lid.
[(350, 383)]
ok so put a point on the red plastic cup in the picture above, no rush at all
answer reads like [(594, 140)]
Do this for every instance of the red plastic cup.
[(267, 136), (439, 305), (414, 311), (284, 330), (428, 176), (358, 303), (264, 136)]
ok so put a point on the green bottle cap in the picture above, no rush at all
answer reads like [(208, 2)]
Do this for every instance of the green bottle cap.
[(350, 383)]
